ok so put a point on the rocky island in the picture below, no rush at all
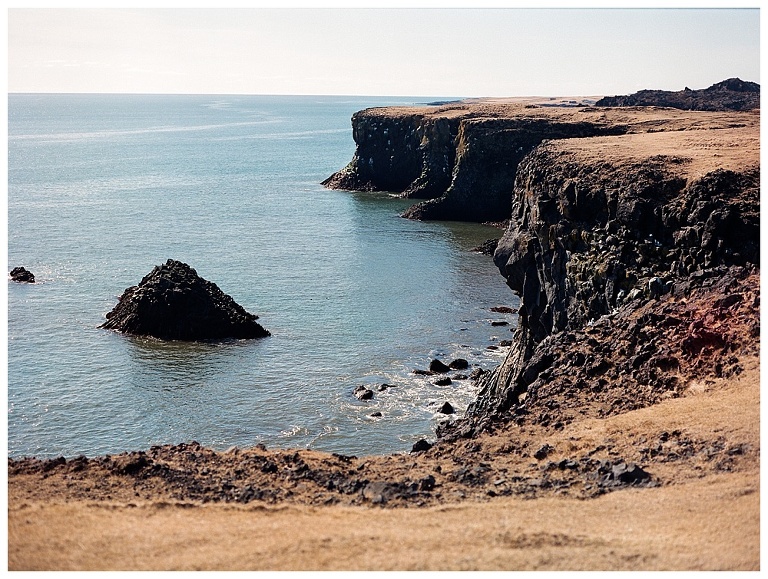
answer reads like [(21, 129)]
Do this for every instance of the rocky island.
[(631, 236), (172, 302)]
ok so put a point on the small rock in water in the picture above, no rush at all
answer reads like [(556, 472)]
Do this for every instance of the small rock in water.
[(488, 247), (499, 323), (437, 366), (502, 310), (442, 381), (363, 393), (446, 408), (459, 364), (22, 275), (375, 415)]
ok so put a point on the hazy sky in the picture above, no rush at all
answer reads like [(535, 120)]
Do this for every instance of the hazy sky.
[(414, 52)]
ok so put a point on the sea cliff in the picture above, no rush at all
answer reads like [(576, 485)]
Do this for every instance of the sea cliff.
[(611, 211)]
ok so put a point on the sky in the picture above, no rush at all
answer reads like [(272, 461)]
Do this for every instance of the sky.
[(453, 51)]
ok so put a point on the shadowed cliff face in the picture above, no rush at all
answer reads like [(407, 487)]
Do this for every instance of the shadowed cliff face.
[(589, 236), (410, 154), (488, 152), (618, 218), (465, 167)]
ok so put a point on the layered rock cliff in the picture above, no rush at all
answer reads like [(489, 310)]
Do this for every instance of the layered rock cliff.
[(462, 159), (603, 227), (628, 227)]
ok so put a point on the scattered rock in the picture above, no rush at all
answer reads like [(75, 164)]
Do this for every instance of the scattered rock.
[(22, 275), (446, 381), (375, 415), (173, 303), (427, 483), (543, 452), (438, 367), (446, 408), (363, 393), (487, 247), (628, 473), (459, 364), (421, 445)]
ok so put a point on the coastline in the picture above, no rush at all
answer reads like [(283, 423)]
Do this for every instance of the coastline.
[(580, 409), (699, 518)]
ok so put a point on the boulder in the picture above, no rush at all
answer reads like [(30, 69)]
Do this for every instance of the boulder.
[(172, 302), (421, 445), (438, 367), (363, 393), (446, 408), (22, 275), (459, 364)]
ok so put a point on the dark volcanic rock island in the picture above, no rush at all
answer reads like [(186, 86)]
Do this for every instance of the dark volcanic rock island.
[(172, 302)]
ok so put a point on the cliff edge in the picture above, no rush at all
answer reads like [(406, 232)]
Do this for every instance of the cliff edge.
[(628, 227)]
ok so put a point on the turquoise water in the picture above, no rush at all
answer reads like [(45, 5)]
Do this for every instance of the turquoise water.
[(104, 187)]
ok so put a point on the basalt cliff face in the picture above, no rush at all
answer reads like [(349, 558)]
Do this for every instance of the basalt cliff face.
[(461, 158), (611, 245), (633, 241)]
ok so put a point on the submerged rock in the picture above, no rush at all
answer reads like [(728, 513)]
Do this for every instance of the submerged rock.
[(172, 302), (363, 393), (22, 275)]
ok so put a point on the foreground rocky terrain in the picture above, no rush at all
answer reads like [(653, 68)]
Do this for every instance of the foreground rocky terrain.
[(632, 238)]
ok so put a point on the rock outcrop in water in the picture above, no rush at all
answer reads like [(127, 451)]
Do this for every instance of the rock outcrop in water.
[(172, 302), (22, 275)]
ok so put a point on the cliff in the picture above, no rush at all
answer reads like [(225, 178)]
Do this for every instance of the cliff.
[(462, 159), (635, 260), (628, 227)]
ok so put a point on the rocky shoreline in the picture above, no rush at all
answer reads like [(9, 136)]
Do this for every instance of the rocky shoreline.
[(633, 243)]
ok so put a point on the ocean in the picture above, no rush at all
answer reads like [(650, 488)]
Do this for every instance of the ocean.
[(104, 187)]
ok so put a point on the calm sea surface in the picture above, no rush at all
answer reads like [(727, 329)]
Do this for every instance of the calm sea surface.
[(103, 188)]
